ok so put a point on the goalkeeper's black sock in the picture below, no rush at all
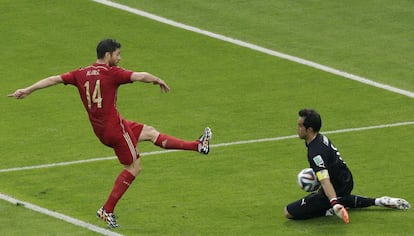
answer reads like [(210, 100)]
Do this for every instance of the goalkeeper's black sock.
[(355, 201)]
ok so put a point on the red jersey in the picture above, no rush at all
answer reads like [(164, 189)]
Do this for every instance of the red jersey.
[(98, 85)]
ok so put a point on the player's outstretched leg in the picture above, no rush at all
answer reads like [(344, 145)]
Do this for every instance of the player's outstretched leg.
[(391, 202), (169, 142), (204, 145), (109, 218)]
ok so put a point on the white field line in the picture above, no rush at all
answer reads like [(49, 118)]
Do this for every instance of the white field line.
[(223, 38), (111, 233), (257, 48), (213, 146), (58, 216)]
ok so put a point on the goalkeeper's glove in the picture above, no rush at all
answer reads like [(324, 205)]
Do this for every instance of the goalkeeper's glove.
[(339, 210)]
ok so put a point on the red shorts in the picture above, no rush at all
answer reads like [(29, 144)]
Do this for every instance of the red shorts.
[(123, 140)]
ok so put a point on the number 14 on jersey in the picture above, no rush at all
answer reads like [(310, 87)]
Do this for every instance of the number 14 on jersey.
[(96, 97)]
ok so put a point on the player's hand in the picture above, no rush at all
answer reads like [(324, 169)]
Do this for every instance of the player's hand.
[(20, 93), (164, 87), (341, 212)]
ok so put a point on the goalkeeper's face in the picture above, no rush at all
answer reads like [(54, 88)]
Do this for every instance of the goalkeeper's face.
[(301, 129)]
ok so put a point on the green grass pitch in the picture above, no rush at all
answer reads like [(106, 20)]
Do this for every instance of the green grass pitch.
[(240, 93)]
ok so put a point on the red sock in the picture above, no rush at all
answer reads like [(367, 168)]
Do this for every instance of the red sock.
[(122, 183), (169, 142)]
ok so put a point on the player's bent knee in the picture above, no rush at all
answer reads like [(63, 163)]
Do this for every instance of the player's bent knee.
[(135, 168), (149, 133), (287, 214)]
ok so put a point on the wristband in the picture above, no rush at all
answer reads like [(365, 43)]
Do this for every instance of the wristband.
[(333, 201)]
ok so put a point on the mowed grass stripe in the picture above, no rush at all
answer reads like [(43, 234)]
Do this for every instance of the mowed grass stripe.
[(258, 48), (213, 145)]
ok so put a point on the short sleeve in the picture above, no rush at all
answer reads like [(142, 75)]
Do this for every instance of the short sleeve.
[(68, 78), (122, 76), (317, 162)]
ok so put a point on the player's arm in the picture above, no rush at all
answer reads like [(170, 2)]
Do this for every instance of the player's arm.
[(149, 78), (339, 209), (324, 179), (44, 83)]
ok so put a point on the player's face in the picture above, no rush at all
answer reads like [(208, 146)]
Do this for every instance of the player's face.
[(302, 131), (115, 57)]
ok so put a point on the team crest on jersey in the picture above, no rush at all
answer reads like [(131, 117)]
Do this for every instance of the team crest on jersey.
[(319, 161)]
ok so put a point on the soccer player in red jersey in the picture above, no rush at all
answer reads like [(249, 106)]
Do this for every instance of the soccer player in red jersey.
[(97, 85)]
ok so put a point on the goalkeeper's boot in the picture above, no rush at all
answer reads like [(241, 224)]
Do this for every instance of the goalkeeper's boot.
[(396, 203), (109, 218), (204, 145)]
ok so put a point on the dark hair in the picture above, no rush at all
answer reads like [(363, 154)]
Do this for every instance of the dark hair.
[(106, 45), (311, 119)]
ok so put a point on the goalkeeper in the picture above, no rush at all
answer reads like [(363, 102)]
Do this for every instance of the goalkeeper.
[(334, 197)]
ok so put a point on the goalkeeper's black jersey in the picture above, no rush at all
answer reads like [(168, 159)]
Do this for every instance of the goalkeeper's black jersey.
[(322, 154)]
